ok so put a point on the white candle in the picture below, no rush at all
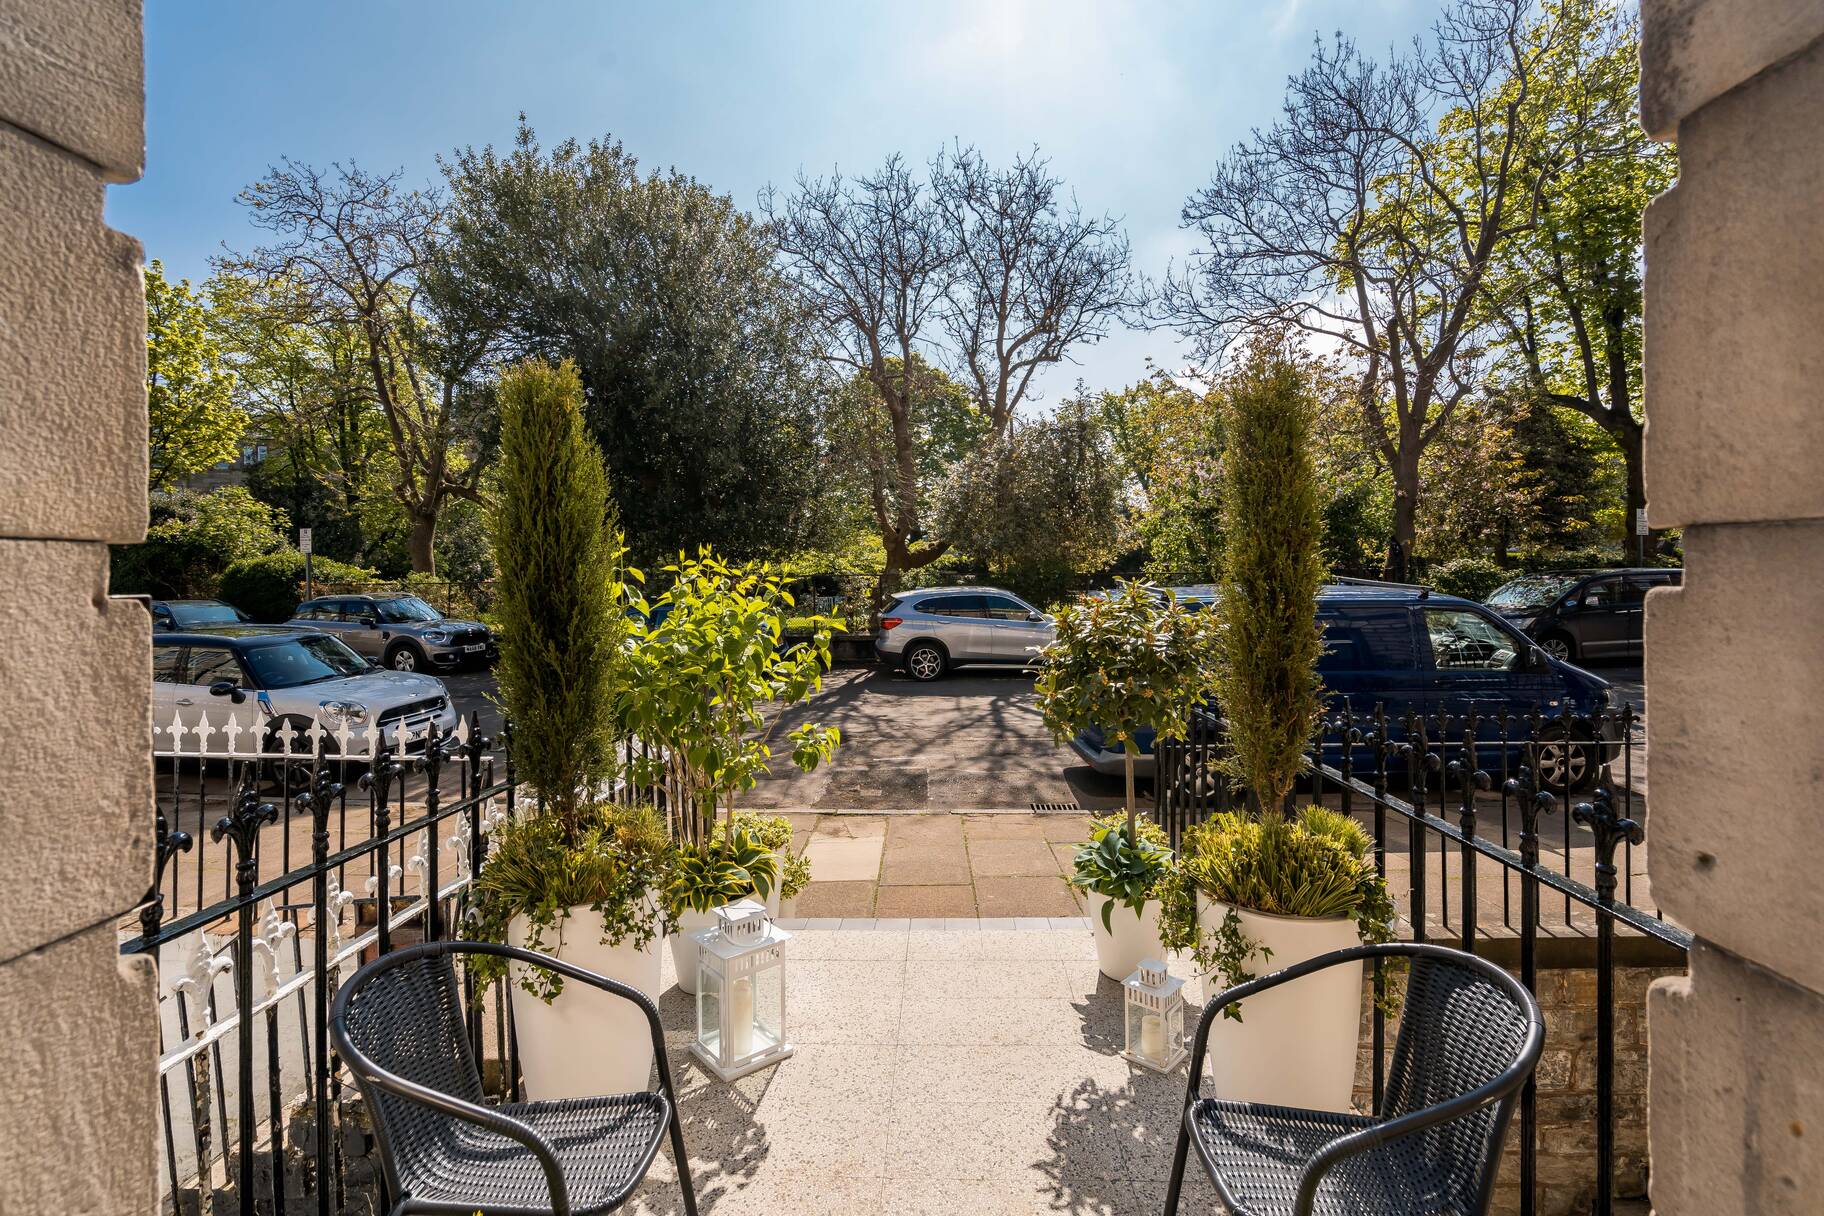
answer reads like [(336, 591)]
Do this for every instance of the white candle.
[(1152, 1037), (740, 1018)]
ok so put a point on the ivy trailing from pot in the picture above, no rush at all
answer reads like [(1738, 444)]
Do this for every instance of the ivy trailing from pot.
[(1315, 866)]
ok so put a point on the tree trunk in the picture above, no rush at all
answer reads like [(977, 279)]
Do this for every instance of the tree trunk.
[(1628, 438), (423, 541), (1127, 762)]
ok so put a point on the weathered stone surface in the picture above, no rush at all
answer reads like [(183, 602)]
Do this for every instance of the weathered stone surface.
[(72, 73), (1694, 51), (79, 1057), (1737, 1091), (72, 354), (75, 733), (1734, 361), (1738, 769)]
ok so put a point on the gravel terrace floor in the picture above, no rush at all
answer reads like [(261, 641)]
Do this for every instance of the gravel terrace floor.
[(943, 1066)]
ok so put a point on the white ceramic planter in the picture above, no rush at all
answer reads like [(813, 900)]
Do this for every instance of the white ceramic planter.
[(1296, 1044), (772, 901), (684, 947), (586, 1042), (1133, 937)]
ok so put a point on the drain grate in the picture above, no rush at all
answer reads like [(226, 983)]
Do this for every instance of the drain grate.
[(1055, 808)]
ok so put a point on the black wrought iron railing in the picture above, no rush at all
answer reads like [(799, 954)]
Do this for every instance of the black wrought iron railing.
[(1509, 835)]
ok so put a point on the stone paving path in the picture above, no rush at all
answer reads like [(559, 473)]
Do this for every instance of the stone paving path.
[(938, 865), (967, 1070)]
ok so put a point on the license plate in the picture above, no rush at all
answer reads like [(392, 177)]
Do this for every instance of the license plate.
[(477, 648)]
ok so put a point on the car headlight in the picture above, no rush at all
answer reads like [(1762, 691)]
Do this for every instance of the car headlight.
[(344, 711), (437, 637)]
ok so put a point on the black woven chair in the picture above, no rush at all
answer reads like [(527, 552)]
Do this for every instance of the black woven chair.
[(1469, 1037), (398, 1026)]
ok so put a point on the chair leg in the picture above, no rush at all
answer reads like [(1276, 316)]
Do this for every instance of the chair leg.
[(1178, 1161), (682, 1157)]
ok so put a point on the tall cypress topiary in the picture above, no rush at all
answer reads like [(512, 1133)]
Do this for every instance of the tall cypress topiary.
[(1272, 567), (558, 552)]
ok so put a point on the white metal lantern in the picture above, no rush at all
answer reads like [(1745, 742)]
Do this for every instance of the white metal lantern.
[(741, 991), (1155, 1017)]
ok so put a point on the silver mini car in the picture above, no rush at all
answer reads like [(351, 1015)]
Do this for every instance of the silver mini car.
[(399, 631), (930, 631)]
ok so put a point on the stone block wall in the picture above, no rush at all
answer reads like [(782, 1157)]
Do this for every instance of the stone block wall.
[(81, 1038), (1735, 457)]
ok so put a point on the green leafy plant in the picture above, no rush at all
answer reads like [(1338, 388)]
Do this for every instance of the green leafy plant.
[(775, 832), (1472, 578), (1130, 660), (1316, 864), (719, 870), (707, 678), (610, 860), (1123, 863), (269, 588)]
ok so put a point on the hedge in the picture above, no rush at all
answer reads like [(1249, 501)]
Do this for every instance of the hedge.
[(269, 588)]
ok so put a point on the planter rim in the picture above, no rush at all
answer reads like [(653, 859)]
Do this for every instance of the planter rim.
[(1296, 920)]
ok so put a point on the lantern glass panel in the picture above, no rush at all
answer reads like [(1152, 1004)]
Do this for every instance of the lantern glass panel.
[(769, 1005), (709, 1010), (1147, 1033)]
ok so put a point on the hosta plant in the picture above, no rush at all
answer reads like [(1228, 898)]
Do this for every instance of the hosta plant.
[(1123, 868), (775, 833), (1316, 864), (725, 867)]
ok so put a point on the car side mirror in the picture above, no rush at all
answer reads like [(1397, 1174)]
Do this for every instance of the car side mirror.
[(371, 622), (1035, 617), (229, 689), (1537, 659)]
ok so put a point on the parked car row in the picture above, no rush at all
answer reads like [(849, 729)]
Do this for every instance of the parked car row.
[(1583, 614)]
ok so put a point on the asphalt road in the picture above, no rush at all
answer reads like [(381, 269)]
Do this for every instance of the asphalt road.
[(970, 741)]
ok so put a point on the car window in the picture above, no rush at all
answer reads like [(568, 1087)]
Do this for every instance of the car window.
[(168, 664), (211, 663), (955, 605), (1634, 590), (204, 614), (407, 609), (1531, 591), (1370, 640), (353, 610), (1467, 641), (1001, 608), (303, 661), (1603, 593)]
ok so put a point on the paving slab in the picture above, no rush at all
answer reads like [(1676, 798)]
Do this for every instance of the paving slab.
[(836, 900), (844, 859), (1025, 897), (1003, 827), (926, 901), (1003, 858), (925, 850)]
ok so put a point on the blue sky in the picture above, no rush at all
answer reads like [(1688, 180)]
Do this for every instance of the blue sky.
[(1133, 102)]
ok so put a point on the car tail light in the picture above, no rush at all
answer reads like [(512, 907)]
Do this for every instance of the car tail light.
[(890, 622)]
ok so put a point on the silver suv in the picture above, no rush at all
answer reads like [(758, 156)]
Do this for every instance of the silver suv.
[(399, 631), (928, 632)]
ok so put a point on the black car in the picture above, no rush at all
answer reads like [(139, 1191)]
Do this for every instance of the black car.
[(1578, 615), (189, 614)]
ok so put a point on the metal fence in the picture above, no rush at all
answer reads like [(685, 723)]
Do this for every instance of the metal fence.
[(276, 871), (1563, 865)]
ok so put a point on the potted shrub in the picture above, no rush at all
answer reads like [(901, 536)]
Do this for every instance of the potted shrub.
[(1260, 889), (1130, 661), (707, 683), (576, 875), (775, 833)]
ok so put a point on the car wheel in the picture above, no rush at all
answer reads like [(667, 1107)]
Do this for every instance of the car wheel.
[(1559, 646), (1565, 766), (925, 661), (404, 657)]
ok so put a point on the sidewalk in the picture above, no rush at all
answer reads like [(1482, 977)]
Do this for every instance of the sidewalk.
[(938, 865)]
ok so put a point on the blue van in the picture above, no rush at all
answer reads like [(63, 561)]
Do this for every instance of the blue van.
[(1410, 650)]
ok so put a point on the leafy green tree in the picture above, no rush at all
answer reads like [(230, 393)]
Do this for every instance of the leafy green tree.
[(706, 679), (1170, 445), (694, 353), (192, 538), (1565, 293), (561, 627), (1041, 504), (189, 387), (1272, 568), (1131, 660)]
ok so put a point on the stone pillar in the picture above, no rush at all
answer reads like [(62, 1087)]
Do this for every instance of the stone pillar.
[(78, 1125), (1735, 660)]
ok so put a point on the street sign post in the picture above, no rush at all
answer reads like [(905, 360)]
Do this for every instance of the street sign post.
[(304, 548)]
